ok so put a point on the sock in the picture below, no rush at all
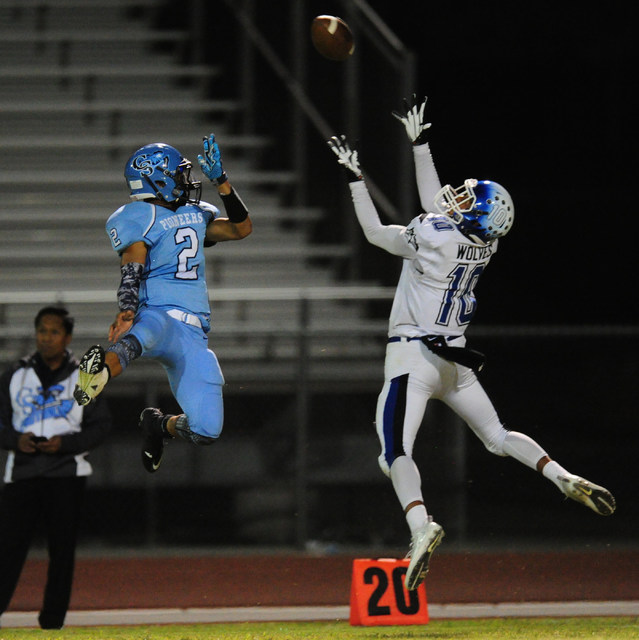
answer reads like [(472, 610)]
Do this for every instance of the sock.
[(164, 426), (523, 448), (407, 484), (554, 472), (416, 518)]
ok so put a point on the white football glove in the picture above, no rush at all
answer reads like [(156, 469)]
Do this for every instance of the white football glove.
[(413, 121), (346, 156)]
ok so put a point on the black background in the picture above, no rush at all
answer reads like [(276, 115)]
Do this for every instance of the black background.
[(536, 96)]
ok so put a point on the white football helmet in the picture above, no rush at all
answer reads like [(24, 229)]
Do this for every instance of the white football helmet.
[(482, 209)]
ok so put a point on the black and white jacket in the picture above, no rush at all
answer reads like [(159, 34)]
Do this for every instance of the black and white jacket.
[(35, 399)]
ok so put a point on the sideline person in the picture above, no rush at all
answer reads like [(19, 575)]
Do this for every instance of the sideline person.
[(48, 437)]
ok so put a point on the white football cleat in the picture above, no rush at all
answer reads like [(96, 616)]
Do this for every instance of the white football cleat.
[(591, 495), (424, 542), (93, 375)]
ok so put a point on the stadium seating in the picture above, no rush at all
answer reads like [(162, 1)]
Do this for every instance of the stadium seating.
[(76, 103)]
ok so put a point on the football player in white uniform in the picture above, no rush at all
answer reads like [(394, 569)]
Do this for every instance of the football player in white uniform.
[(444, 252)]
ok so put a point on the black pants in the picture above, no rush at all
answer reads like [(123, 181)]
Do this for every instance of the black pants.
[(56, 503)]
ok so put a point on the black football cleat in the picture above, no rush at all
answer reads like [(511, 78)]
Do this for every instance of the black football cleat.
[(153, 444)]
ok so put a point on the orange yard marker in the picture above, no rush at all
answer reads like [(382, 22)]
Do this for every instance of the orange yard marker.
[(379, 597)]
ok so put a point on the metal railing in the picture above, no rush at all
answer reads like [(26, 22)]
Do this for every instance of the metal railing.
[(298, 375), (375, 42)]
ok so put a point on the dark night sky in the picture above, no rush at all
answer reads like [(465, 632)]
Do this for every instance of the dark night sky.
[(538, 97)]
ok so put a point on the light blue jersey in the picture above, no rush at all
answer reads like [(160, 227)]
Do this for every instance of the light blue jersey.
[(174, 274), (173, 316)]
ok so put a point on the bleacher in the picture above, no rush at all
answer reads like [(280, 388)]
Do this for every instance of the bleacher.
[(76, 102), (85, 84)]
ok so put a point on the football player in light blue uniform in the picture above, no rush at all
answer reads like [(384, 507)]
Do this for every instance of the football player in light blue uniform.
[(163, 300)]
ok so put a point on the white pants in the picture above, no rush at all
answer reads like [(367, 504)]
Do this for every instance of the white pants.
[(413, 375)]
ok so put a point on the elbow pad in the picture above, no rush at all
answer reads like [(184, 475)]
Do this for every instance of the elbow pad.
[(129, 290)]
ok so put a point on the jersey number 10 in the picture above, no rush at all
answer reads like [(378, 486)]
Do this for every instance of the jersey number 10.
[(463, 279)]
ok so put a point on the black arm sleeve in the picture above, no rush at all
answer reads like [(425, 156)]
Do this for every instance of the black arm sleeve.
[(236, 210)]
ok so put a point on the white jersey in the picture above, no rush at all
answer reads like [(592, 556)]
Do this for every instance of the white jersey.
[(435, 292)]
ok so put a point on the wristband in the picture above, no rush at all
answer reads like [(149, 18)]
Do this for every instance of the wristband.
[(236, 210), (221, 180)]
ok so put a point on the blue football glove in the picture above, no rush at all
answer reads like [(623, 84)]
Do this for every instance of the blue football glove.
[(211, 161), (413, 121)]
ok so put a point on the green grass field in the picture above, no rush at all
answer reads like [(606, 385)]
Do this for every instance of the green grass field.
[(617, 628)]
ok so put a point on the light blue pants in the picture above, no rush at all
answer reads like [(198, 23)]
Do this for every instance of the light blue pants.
[(193, 371)]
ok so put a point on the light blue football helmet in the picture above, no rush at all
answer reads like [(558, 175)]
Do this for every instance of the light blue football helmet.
[(159, 170), (482, 209)]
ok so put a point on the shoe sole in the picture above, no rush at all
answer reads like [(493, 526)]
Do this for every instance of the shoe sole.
[(593, 496), (92, 362), (421, 566)]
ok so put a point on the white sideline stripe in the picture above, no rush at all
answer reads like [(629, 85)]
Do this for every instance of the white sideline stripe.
[(108, 617)]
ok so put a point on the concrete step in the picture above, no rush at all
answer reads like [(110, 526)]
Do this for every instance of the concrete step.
[(62, 180), (74, 217), (100, 82)]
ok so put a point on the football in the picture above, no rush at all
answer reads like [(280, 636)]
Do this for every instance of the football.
[(332, 38)]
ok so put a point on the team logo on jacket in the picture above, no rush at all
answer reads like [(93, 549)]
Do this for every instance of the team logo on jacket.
[(38, 407)]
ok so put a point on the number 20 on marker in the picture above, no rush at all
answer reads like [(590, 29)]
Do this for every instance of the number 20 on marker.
[(379, 597)]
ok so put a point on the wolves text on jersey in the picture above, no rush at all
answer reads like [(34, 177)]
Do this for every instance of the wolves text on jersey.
[(473, 254)]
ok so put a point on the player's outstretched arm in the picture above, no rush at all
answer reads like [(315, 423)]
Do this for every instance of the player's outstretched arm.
[(417, 130), (413, 120), (237, 224), (387, 237)]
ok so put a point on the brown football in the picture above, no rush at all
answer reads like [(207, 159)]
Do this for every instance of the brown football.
[(332, 37)]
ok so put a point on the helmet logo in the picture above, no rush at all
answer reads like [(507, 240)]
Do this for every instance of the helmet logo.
[(146, 165), (499, 217)]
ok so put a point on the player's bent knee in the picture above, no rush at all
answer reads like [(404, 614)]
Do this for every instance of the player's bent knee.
[(199, 439), (127, 349), (495, 444), (184, 431), (383, 465)]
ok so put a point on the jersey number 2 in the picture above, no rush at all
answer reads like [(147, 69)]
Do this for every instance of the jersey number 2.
[(182, 235)]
